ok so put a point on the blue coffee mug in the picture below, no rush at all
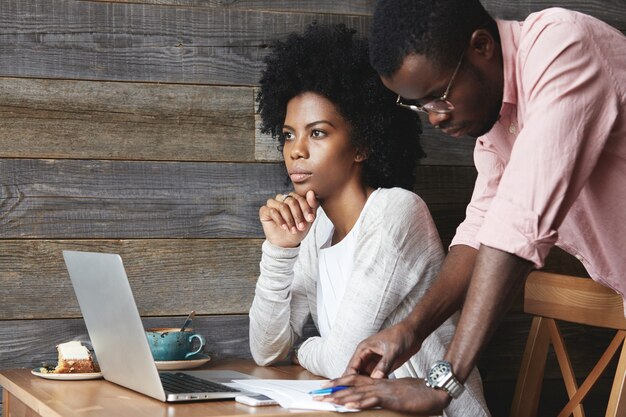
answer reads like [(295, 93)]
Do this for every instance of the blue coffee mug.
[(170, 344)]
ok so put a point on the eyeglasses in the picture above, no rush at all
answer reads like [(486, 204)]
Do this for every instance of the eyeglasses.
[(439, 105)]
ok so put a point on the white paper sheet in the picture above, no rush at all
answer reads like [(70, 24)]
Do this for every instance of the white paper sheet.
[(290, 393)]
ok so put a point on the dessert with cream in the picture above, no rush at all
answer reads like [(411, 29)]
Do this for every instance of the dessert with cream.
[(74, 357)]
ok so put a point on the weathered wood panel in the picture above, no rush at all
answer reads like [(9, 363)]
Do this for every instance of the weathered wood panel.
[(444, 184), (122, 199), (111, 120), (22, 344), (446, 191), (138, 42), (265, 147), (152, 42), (611, 11), (168, 277), (29, 343), (354, 7), (447, 218), (442, 149), (54, 199)]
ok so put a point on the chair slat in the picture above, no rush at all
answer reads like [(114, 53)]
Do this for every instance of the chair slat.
[(617, 399), (551, 297), (530, 378), (594, 375), (573, 299), (565, 364)]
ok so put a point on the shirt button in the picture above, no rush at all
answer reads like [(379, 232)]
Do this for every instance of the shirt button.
[(579, 257), (512, 129)]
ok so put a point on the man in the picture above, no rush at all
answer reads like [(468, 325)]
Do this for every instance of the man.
[(546, 99)]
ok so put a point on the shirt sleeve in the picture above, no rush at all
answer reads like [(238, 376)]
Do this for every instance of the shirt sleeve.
[(280, 308), (398, 250), (490, 168), (570, 105)]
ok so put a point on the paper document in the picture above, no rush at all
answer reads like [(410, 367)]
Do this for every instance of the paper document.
[(290, 393)]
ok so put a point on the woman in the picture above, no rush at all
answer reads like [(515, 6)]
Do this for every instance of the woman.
[(345, 247)]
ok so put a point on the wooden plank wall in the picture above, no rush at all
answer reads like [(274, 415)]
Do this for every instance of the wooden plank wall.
[(129, 127)]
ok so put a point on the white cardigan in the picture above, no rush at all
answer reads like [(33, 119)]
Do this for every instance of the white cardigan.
[(398, 254)]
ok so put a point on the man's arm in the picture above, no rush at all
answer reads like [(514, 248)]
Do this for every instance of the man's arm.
[(380, 354), (496, 279)]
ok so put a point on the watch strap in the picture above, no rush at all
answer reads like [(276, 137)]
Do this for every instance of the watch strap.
[(453, 387), (447, 381)]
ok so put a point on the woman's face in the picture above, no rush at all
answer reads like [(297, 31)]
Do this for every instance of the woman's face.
[(318, 152)]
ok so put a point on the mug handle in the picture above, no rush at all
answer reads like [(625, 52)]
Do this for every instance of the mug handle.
[(202, 344)]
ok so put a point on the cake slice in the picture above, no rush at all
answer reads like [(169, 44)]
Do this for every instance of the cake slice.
[(74, 358)]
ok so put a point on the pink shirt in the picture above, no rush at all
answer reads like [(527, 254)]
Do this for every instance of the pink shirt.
[(553, 168)]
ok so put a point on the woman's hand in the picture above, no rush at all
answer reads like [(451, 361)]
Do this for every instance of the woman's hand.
[(287, 218)]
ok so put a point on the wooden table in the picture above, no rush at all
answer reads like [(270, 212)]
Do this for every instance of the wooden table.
[(30, 396)]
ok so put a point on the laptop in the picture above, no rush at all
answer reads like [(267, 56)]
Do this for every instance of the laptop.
[(119, 341)]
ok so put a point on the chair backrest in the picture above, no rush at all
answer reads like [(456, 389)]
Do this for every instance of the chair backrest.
[(551, 297)]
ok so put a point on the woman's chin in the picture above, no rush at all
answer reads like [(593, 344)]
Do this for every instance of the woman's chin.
[(301, 189)]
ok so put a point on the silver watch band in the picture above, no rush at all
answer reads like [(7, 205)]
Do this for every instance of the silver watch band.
[(453, 387), (441, 376)]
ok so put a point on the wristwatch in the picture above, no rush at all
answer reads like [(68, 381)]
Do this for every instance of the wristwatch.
[(440, 376)]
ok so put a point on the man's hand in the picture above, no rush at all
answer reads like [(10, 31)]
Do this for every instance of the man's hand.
[(407, 395), (382, 353), (287, 218)]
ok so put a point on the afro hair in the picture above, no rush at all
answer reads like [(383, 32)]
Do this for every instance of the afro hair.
[(332, 62)]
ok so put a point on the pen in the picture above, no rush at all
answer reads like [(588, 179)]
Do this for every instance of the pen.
[(326, 391)]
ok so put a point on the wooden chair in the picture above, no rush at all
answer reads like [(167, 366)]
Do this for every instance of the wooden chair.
[(578, 300)]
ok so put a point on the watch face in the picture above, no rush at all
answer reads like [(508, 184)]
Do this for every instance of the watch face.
[(437, 372)]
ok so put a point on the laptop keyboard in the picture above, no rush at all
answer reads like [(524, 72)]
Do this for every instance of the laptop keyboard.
[(183, 383)]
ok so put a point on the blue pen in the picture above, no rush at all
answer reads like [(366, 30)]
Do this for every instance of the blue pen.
[(326, 391)]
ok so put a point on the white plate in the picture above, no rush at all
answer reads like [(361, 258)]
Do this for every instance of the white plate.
[(67, 377), (198, 360)]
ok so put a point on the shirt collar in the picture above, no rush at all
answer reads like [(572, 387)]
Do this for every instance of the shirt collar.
[(509, 37)]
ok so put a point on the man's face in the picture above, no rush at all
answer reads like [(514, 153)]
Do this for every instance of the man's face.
[(476, 97)]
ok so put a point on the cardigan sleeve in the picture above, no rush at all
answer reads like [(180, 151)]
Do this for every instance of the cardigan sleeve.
[(398, 252), (280, 307)]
